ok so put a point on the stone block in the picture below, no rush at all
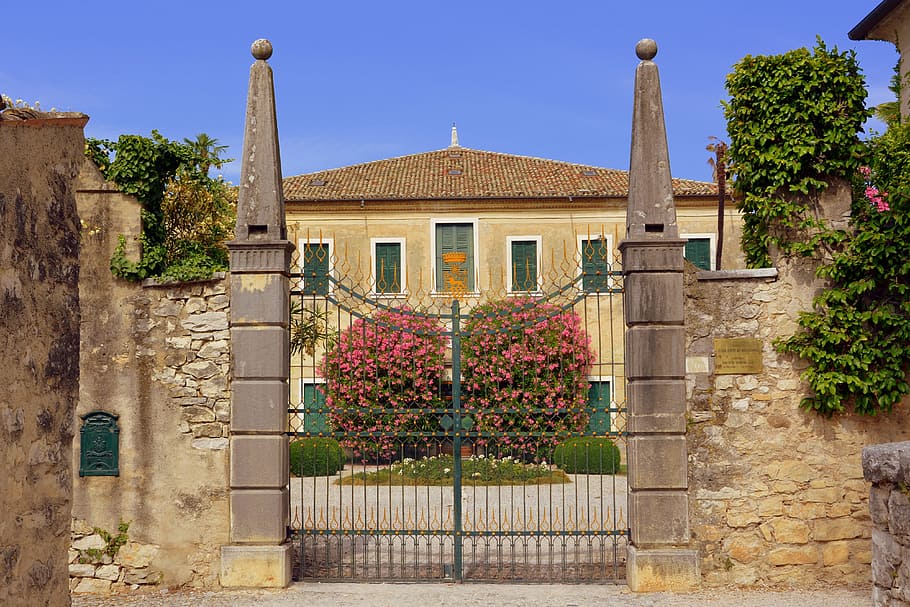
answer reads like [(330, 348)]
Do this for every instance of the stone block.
[(899, 513), (134, 554), (93, 542), (88, 585), (662, 570), (259, 299), (657, 406), (259, 406), (878, 504), (791, 470), (206, 322), (656, 352), (793, 555), (744, 549), (259, 461), (260, 352), (259, 516), (653, 297), (886, 556), (827, 530), (256, 566), (82, 570), (659, 518), (658, 462), (742, 518), (790, 531), (835, 553), (828, 495), (660, 256), (108, 572), (888, 462)]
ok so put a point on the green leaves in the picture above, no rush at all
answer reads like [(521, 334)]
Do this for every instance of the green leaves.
[(186, 215), (793, 121)]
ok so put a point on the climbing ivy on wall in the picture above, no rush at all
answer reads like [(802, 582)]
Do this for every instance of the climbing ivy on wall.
[(793, 123), (186, 215)]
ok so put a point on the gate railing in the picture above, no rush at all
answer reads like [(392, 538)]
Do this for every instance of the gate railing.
[(412, 492)]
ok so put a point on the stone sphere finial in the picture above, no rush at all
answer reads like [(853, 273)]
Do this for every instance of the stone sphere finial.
[(261, 49), (646, 49)]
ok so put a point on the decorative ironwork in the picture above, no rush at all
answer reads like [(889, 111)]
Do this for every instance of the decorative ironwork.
[(99, 453), (363, 524)]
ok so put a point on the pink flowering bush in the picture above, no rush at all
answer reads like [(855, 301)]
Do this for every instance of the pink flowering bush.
[(381, 377), (871, 192), (525, 368)]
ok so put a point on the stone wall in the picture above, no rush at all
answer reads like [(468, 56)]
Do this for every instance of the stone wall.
[(158, 357), (887, 467), (39, 352), (776, 494)]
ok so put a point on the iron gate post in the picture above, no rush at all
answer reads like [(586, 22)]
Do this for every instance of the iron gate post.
[(457, 538), (653, 305)]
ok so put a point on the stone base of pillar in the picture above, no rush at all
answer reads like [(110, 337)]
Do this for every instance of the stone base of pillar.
[(662, 569), (256, 566)]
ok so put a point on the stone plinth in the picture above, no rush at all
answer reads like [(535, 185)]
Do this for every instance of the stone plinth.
[(256, 566)]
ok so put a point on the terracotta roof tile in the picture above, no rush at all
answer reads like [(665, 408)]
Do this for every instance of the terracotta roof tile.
[(458, 172)]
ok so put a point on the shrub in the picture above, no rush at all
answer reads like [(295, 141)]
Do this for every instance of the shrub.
[(316, 457), (525, 373), (587, 455), (382, 377)]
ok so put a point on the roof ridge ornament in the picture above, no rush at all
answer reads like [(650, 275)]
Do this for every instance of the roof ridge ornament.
[(454, 143)]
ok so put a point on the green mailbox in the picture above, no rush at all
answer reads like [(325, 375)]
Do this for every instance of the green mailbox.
[(99, 445)]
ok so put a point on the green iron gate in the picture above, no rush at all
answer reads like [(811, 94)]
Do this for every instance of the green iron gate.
[(456, 436)]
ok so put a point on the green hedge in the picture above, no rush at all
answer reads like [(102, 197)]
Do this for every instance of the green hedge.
[(316, 457), (587, 455)]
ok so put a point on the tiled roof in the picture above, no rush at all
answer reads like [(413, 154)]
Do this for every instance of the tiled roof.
[(458, 172)]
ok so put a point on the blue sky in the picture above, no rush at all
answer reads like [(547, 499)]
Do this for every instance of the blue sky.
[(358, 81)]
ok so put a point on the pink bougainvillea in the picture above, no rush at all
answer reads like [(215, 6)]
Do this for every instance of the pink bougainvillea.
[(525, 368), (381, 377), (875, 197)]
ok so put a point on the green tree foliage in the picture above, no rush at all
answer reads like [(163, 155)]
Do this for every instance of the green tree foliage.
[(857, 337), (793, 121), (186, 215)]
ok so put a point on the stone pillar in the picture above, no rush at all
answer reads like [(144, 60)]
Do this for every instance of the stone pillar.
[(652, 254), (259, 554)]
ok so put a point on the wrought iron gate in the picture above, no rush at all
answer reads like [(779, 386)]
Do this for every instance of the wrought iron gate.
[(473, 428)]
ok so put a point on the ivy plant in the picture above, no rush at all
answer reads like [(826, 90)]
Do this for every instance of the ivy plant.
[(793, 121), (186, 215)]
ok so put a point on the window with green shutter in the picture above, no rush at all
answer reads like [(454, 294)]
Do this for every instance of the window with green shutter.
[(698, 251), (595, 265), (523, 262), (454, 238), (316, 263), (599, 407), (314, 420), (388, 267)]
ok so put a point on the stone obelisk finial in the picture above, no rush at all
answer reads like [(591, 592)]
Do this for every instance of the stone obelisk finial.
[(260, 207), (651, 211), (654, 311)]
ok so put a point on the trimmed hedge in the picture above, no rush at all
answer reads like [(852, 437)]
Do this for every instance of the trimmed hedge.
[(587, 455), (316, 457)]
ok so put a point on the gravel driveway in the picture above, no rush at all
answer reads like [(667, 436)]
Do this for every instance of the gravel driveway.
[(480, 595)]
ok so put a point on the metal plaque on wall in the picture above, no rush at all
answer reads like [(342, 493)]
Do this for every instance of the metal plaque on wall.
[(738, 356)]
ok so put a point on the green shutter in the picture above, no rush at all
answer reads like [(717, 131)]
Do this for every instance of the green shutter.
[(698, 251), (599, 407), (595, 265), (314, 421), (316, 269), (451, 238), (388, 267), (524, 265)]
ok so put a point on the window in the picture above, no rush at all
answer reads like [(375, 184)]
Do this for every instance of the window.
[(599, 406), (524, 260), (700, 250), (310, 415), (454, 238), (316, 267), (388, 265), (596, 256)]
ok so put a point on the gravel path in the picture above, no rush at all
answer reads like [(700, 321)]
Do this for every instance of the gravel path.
[(477, 595)]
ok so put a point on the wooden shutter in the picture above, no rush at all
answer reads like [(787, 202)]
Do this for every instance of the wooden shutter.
[(313, 398), (599, 407), (698, 251), (388, 267), (595, 267), (316, 269), (524, 265), (452, 238)]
